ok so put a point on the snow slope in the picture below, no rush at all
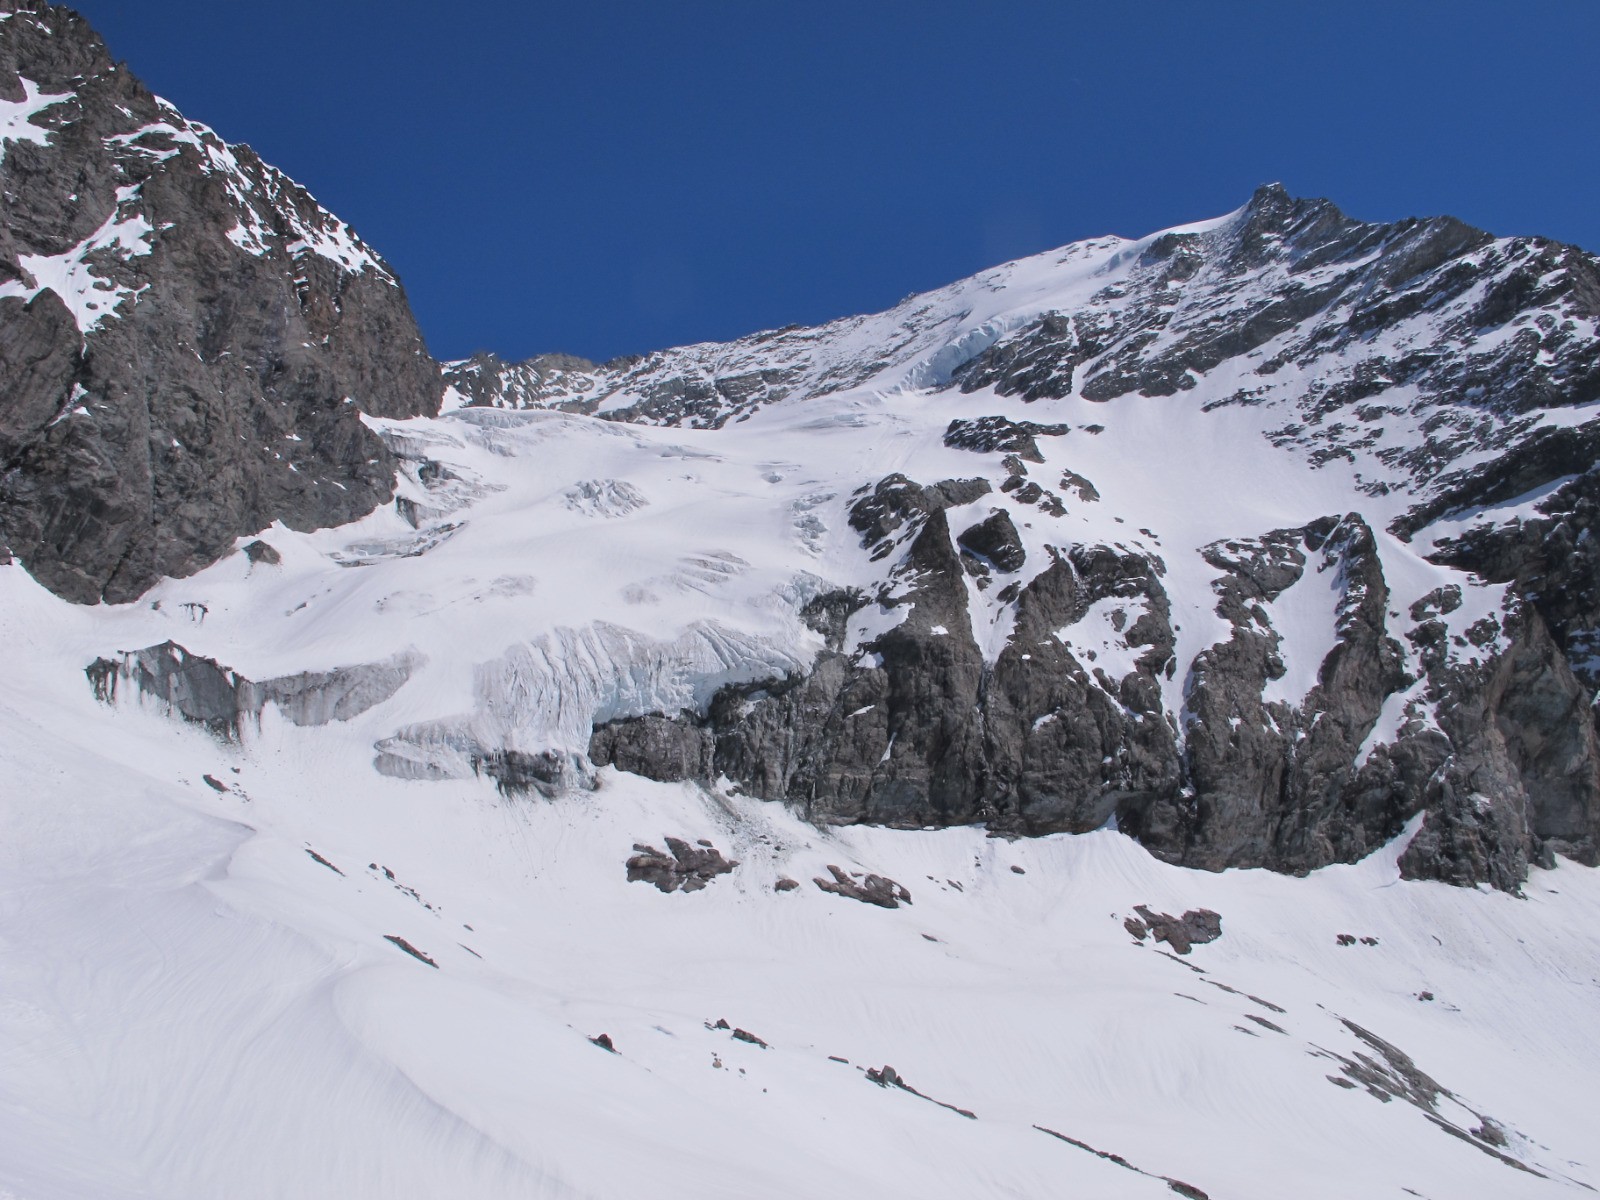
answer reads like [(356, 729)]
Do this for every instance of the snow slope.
[(196, 1005)]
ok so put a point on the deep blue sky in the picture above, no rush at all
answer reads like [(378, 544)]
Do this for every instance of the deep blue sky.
[(607, 177)]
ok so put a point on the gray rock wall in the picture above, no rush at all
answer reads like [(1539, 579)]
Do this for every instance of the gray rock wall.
[(239, 333)]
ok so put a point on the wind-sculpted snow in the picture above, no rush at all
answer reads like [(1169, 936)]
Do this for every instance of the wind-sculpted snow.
[(304, 978)]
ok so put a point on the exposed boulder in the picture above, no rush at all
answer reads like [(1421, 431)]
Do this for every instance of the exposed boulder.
[(867, 888), (682, 868), (995, 540), (1195, 928), (991, 435)]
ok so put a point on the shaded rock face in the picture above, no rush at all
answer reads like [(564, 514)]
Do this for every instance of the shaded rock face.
[(993, 541), (1257, 767), (656, 747), (188, 340), (1267, 768), (204, 692)]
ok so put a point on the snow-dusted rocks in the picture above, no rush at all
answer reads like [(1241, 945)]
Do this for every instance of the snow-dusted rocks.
[(1231, 687), (187, 339)]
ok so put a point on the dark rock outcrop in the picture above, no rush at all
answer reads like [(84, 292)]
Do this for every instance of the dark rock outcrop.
[(210, 375), (999, 434), (914, 728), (654, 746), (1388, 1073), (994, 541), (1195, 928)]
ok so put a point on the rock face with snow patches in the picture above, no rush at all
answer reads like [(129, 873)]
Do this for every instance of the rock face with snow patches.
[(188, 340), (1443, 371)]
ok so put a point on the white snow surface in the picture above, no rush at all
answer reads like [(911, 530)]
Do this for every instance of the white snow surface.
[(197, 993), (194, 1006), (90, 297), (16, 116)]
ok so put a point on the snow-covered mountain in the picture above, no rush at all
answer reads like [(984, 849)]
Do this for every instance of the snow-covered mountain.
[(1018, 744), (1192, 512)]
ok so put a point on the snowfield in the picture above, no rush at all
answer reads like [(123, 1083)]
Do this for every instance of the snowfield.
[(331, 960), (199, 999)]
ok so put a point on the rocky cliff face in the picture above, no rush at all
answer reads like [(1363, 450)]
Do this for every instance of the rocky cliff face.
[(188, 341)]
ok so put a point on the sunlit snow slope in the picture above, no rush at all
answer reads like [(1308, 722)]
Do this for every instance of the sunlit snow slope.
[(199, 999)]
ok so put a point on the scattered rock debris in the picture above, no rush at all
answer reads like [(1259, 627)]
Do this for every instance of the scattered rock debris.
[(739, 1035), (410, 949), (887, 1076), (1267, 1004), (1393, 1075), (317, 857), (1424, 995), (603, 1040), (1195, 928), (872, 889), (1350, 939), (400, 887), (1187, 1190), (685, 868)]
